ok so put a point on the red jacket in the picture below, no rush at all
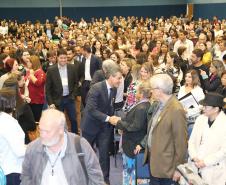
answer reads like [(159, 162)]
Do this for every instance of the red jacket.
[(36, 90)]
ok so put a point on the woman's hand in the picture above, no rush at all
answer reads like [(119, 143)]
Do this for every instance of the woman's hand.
[(137, 149)]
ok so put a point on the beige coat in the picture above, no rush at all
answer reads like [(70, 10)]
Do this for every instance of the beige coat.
[(169, 140), (209, 144)]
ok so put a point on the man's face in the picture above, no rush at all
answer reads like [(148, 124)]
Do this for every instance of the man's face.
[(181, 36), (116, 79), (70, 55), (49, 135), (62, 60), (194, 58), (30, 45), (66, 34), (77, 50), (52, 59), (202, 38)]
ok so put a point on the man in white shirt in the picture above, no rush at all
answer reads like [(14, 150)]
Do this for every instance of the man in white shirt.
[(183, 41), (90, 64)]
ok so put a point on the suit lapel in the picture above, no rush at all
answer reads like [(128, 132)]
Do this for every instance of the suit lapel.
[(68, 76), (58, 75), (105, 90), (165, 109)]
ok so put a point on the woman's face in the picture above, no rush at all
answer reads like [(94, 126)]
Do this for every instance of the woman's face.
[(202, 47), (15, 66), (114, 57), (158, 44), (169, 60), (29, 64), (213, 69), (21, 82), (144, 74), (98, 45), (119, 40), (150, 59), (26, 56), (133, 45), (6, 50), (223, 80), (124, 68), (121, 54), (188, 79), (164, 48), (145, 47), (105, 55)]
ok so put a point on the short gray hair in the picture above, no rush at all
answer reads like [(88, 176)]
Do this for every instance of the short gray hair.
[(107, 64), (163, 82), (145, 89), (112, 70)]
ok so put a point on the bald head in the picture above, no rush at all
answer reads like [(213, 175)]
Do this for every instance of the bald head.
[(51, 126), (53, 118)]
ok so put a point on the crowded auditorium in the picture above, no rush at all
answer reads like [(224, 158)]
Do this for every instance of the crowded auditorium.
[(124, 92)]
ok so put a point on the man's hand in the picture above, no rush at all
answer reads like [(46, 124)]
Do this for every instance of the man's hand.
[(52, 106), (114, 120)]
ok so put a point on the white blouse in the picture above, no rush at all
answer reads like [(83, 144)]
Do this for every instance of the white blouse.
[(12, 147), (198, 94)]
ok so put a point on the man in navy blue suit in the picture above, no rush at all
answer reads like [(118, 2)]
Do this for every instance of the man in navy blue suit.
[(98, 113)]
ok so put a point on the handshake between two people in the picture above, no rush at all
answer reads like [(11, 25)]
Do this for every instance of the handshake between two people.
[(114, 120)]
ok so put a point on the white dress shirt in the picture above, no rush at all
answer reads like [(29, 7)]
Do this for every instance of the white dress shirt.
[(64, 79), (188, 44), (120, 91), (58, 177), (87, 69)]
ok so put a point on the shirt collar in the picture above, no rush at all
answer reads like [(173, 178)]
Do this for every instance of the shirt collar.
[(61, 67), (108, 85), (89, 57)]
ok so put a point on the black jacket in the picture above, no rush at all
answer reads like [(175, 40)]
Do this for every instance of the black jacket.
[(54, 89), (97, 108), (134, 127)]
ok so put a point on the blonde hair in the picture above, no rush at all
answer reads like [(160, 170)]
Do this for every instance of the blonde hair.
[(35, 61)]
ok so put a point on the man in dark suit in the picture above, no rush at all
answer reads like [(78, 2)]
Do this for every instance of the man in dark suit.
[(61, 87), (99, 75), (98, 113), (90, 64)]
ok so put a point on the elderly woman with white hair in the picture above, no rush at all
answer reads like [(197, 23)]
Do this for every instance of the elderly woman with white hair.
[(134, 128)]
